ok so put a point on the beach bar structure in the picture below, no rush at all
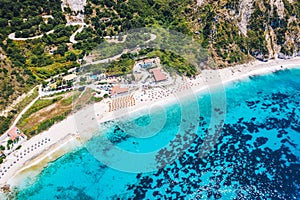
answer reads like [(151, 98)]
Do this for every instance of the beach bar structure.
[(15, 133), (158, 75), (118, 90)]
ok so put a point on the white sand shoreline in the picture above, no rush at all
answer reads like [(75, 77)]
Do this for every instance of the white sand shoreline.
[(64, 135), (226, 76)]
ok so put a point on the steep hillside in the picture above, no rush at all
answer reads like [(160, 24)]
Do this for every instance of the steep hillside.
[(15, 80), (25, 18), (236, 30)]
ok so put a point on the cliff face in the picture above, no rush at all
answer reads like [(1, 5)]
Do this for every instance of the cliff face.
[(237, 30)]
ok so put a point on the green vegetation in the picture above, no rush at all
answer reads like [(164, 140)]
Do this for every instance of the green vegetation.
[(9, 144), (2, 158), (88, 39), (19, 147), (217, 29), (112, 17), (133, 40), (35, 54), (20, 106), (95, 99), (38, 105), (60, 37), (172, 62), (24, 18), (15, 79), (257, 24), (47, 124), (68, 101), (109, 18), (123, 66), (45, 112), (6, 121), (50, 110)]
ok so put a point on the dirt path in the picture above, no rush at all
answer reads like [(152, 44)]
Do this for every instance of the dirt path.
[(25, 109), (15, 102)]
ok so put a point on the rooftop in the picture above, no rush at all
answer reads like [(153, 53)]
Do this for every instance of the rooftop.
[(118, 90), (13, 133), (158, 75)]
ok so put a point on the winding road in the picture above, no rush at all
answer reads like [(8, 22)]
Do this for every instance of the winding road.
[(12, 36), (107, 60), (82, 26)]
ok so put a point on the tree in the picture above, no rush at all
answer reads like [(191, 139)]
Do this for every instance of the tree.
[(88, 9), (38, 50), (16, 22), (44, 83), (68, 10), (69, 83), (61, 49), (3, 22), (4, 124), (72, 57), (46, 27)]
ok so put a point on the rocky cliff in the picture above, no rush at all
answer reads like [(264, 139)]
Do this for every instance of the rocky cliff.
[(237, 30)]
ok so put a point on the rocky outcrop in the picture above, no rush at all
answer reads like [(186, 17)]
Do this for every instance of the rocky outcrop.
[(237, 30), (245, 14), (77, 6)]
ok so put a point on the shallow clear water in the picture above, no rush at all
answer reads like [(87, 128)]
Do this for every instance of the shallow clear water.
[(256, 156)]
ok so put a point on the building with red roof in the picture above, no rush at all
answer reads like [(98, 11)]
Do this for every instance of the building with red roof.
[(158, 75), (118, 90), (15, 133)]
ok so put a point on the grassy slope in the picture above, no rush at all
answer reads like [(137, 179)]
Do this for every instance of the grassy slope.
[(45, 112)]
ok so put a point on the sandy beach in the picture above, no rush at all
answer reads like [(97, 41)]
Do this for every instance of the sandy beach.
[(65, 136), (208, 79)]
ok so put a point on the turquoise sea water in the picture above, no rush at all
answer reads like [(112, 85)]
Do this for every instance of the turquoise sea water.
[(255, 156)]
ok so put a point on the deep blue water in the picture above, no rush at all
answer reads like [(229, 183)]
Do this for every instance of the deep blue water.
[(255, 156)]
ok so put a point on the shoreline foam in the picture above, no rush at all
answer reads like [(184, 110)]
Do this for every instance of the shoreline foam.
[(67, 128)]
